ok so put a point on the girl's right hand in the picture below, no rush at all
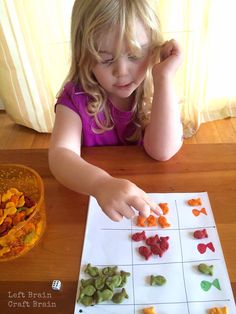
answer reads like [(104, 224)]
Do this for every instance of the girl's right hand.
[(119, 198), (170, 60)]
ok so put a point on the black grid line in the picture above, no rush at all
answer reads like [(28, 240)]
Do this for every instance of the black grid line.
[(181, 248), (132, 267)]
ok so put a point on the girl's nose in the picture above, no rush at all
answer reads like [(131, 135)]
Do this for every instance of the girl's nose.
[(120, 68)]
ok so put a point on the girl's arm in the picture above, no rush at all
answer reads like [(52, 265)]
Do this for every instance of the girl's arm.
[(163, 135), (115, 196)]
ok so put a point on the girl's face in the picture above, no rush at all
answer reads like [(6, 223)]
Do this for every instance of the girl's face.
[(120, 77)]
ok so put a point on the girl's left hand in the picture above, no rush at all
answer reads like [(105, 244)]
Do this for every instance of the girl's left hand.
[(170, 59)]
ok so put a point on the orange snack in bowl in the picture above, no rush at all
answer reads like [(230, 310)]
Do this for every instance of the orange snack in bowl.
[(22, 211), (14, 199), (163, 222), (18, 217)]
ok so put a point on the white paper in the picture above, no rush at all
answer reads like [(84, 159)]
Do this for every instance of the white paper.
[(109, 243)]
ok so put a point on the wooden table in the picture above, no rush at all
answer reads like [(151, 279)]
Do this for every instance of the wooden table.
[(195, 168)]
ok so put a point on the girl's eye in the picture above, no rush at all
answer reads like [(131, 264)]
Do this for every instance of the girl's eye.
[(107, 62), (134, 58)]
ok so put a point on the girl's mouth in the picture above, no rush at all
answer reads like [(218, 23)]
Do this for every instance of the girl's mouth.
[(123, 86)]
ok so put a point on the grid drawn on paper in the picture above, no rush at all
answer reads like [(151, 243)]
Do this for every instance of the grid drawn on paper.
[(105, 240)]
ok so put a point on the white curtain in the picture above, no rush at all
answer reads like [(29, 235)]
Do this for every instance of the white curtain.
[(34, 57)]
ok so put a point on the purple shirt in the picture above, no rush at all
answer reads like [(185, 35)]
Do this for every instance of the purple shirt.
[(76, 99)]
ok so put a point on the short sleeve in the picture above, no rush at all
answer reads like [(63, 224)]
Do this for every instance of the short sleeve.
[(66, 98)]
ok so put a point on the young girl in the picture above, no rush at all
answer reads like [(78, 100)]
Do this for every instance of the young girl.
[(119, 91)]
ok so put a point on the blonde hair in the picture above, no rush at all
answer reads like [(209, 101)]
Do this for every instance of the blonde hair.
[(90, 19)]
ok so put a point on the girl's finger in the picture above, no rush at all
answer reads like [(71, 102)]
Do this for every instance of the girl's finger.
[(157, 210), (127, 211), (114, 215), (141, 206)]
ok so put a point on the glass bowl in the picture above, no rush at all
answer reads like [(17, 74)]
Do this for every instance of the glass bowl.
[(22, 210)]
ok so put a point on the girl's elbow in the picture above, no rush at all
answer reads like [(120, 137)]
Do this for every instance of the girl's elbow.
[(162, 154), (159, 156)]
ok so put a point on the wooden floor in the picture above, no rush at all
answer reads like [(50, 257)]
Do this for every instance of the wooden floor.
[(13, 136)]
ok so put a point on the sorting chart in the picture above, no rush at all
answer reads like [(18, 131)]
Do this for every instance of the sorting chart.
[(186, 290)]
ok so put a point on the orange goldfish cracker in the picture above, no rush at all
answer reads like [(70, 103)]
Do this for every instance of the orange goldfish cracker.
[(195, 202), (14, 198), (149, 310), (19, 216), (218, 310), (163, 222), (164, 207), (141, 221), (151, 221)]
